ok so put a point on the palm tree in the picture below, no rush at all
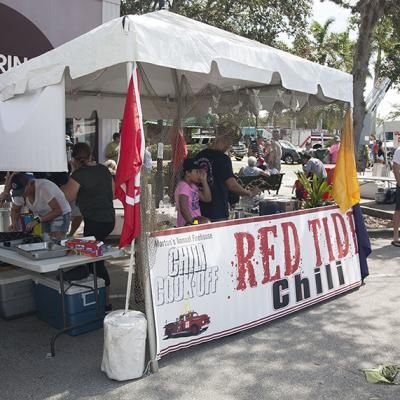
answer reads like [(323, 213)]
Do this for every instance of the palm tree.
[(320, 35)]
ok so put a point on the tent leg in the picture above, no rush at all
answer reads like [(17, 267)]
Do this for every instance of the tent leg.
[(145, 270), (151, 329)]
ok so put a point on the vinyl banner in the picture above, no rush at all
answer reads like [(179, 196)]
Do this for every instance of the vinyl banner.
[(213, 280)]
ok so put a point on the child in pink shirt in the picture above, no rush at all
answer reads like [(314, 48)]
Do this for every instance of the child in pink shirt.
[(188, 194)]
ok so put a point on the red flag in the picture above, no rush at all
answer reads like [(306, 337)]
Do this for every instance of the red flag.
[(179, 149), (127, 178)]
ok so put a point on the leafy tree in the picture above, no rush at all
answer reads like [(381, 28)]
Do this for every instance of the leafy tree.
[(318, 44), (321, 36), (334, 50), (370, 13), (387, 42), (261, 20)]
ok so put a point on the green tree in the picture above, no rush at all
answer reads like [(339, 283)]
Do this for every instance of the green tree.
[(370, 13), (318, 44), (333, 49), (261, 20), (387, 42), (320, 35)]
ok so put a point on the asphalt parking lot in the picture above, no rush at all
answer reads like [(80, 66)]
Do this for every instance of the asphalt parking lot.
[(313, 354)]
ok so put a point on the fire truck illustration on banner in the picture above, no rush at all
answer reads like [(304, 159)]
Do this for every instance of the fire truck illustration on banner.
[(188, 324)]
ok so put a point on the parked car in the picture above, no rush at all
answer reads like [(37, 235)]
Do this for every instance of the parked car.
[(190, 324), (202, 139), (318, 151), (239, 151), (290, 153)]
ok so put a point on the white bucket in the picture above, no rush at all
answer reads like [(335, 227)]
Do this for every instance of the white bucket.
[(124, 345), (380, 170)]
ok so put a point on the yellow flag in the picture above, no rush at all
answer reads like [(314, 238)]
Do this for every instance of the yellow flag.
[(346, 190)]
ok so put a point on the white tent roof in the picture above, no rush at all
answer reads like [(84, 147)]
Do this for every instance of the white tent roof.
[(168, 40), (180, 61)]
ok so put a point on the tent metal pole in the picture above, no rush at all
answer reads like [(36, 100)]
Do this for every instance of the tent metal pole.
[(148, 304), (178, 95), (144, 200)]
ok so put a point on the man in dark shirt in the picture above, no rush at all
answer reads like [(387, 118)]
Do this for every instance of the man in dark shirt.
[(220, 179)]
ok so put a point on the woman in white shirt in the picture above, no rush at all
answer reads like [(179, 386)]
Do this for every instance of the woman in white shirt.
[(47, 202)]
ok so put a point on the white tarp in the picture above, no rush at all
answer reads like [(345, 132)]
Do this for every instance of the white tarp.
[(30, 142), (267, 267), (170, 41), (178, 58)]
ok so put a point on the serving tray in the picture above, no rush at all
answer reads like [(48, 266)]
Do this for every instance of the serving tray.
[(41, 251)]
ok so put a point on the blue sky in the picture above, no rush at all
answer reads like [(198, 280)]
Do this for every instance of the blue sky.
[(325, 10)]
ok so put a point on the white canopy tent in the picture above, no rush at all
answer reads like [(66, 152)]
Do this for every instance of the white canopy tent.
[(205, 67), (186, 68)]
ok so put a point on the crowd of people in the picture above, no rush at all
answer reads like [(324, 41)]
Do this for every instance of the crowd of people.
[(268, 154), (201, 196)]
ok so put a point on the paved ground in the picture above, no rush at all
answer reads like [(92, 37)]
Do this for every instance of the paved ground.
[(314, 354)]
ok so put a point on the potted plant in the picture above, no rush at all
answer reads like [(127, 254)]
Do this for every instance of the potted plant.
[(318, 191)]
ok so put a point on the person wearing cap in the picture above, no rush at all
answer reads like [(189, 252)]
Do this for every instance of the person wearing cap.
[(45, 200), (334, 149), (313, 166), (188, 193), (220, 178)]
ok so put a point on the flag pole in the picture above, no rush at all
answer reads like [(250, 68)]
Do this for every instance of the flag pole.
[(144, 262), (130, 274), (129, 71)]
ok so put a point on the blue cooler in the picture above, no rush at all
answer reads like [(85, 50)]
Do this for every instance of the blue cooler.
[(80, 305)]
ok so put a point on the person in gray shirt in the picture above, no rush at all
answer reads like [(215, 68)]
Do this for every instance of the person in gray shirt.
[(313, 166)]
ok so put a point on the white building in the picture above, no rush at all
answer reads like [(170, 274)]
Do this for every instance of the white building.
[(29, 28), (392, 133)]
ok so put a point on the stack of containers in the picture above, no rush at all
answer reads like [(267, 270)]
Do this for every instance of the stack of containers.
[(16, 296)]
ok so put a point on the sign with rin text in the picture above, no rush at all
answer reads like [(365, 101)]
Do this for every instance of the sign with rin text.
[(213, 280)]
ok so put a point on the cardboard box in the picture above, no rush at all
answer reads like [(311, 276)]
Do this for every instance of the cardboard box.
[(92, 248)]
